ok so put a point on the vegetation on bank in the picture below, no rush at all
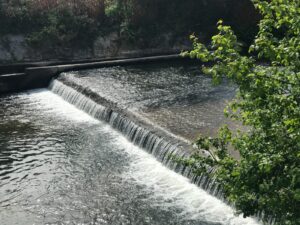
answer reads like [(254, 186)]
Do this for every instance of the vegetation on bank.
[(68, 22), (266, 179), (54, 22)]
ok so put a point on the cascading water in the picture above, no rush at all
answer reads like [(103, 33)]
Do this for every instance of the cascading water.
[(158, 146), (87, 91), (61, 166)]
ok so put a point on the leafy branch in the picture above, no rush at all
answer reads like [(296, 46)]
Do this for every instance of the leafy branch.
[(266, 177)]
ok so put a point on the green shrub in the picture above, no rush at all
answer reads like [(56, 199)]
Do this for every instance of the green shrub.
[(70, 22), (62, 26), (53, 22), (266, 178)]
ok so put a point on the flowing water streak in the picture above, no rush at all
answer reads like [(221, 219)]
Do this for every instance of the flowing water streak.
[(158, 146)]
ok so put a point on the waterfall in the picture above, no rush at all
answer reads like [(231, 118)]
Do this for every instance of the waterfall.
[(159, 146), (151, 139)]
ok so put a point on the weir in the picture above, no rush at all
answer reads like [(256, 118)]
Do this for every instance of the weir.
[(130, 118), (162, 146), (127, 118)]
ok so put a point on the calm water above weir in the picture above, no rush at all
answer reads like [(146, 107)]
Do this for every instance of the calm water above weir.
[(60, 166), (174, 96)]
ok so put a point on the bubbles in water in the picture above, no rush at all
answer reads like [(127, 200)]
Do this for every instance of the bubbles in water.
[(168, 186)]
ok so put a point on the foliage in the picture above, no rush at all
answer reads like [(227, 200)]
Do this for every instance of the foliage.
[(137, 21), (62, 26), (266, 178), (53, 22), (121, 12), (144, 20)]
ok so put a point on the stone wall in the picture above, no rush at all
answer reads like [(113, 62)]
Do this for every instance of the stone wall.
[(14, 48)]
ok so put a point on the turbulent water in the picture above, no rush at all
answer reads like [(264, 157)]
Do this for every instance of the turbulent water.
[(148, 137), (58, 165)]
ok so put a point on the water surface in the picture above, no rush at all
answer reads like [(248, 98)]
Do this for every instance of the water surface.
[(174, 96), (60, 166)]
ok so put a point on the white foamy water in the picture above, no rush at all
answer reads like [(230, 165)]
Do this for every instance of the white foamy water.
[(168, 189), (52, 103), (168, 186)]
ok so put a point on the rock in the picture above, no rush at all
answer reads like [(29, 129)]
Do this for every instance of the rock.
[(106, 46), (4, 54), (13, 48)]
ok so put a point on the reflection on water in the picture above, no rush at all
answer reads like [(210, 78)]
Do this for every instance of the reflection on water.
[(60, 166)]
